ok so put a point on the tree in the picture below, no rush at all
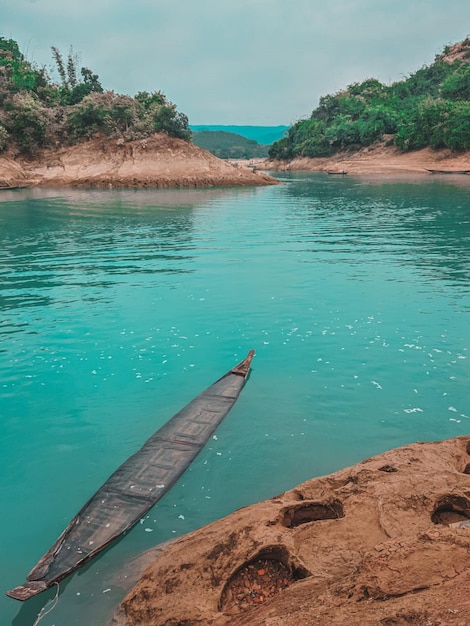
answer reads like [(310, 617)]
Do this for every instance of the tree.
[(458, 137), (72, 62), (457, 85), (73, 90), (36, 112), (151, 100), (281, 150), (59, 61), (429, 108), (163, 114), (27, 122), (18, 72), (170, 121)]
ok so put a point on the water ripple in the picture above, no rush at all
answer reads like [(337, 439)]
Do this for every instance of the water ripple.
[(117, 307)]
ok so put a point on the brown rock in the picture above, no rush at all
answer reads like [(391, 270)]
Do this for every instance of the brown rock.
[(158, 161), (388, 557)]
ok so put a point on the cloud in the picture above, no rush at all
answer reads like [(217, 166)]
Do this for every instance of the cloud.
[(239, 61)]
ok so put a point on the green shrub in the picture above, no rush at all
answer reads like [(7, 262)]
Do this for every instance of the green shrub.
[(458, 127), (37, 113), (457, 85), (281, 150), (27, 122), (429, 108), (108, 113)]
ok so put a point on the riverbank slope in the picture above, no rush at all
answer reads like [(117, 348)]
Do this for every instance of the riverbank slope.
[(385, 542), (158, 161), (377, 159)]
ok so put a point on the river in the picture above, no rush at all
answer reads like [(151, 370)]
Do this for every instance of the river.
[(119, 306)]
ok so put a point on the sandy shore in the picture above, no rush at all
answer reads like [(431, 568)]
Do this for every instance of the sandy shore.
[(379, 159), (162, 161)]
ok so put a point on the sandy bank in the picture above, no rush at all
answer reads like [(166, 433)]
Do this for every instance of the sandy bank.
[(386, 542), (379, 159), (159, 161)]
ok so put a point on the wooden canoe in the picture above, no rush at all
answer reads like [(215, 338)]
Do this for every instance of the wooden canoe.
[(12, 187), (448, 171), (137, 484)]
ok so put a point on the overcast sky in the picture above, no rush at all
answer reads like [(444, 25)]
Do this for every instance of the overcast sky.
[(260, 62)]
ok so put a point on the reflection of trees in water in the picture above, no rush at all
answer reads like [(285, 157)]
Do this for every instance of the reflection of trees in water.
[(420, 223), (87, 240)]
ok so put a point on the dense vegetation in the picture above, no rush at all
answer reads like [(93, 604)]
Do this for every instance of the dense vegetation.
[(229, 145), (36, 112), (429, 108)]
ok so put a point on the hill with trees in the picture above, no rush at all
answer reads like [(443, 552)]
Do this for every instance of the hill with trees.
[(37, 113), (264, 135), (229, 145), (430, 108)]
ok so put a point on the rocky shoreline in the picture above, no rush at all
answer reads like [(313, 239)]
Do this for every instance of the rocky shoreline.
[(158, 161), (377, 159), (385, 542), (161, 161)]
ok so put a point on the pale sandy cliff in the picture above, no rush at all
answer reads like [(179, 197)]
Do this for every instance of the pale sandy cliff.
[(159, 161)]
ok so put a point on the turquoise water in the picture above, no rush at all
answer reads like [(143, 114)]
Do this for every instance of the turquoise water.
[(117, 307), (262, 134)]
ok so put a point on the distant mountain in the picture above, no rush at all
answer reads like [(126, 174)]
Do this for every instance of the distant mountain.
[(264, 135), (229, 145)]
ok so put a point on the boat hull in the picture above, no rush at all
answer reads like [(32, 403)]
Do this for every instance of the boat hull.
[(137, 484), (448, 171)]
